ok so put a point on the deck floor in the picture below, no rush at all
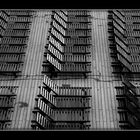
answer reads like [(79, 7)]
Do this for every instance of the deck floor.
[(31, 75), (103, 102)]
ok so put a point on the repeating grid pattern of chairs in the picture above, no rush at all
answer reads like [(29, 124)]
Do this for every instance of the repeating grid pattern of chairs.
[(7, 103)]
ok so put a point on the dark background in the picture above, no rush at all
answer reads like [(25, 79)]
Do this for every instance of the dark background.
[(69, 4)]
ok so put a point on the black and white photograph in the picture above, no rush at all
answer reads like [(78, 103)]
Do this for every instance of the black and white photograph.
[(69, 69)]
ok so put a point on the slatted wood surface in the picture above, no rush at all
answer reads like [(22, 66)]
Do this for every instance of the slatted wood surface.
[(103, 101), (32, 67)]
